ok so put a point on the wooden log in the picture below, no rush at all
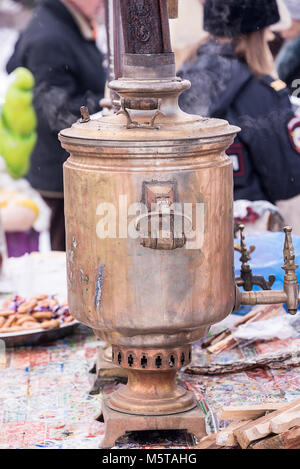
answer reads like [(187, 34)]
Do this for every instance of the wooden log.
[(209, 442), (226, 437), (249, 412), (284, 422), (248, 316), (259, 313), (223, 345), (287, 440), (214, 338), (261, 427)]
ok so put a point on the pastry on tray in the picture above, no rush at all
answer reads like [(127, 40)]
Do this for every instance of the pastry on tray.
[(38, 312)]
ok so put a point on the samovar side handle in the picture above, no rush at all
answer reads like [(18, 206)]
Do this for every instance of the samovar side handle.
[(290, 293), (159, 199)]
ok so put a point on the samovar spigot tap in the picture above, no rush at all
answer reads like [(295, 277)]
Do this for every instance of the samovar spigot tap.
[(290, 293)]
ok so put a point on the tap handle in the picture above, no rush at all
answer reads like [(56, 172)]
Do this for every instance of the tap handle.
[(242, 248), (247, 280), (289, 253), (290, 295), (291, 285)]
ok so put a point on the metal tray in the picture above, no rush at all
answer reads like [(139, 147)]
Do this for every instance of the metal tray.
[(38, 336)]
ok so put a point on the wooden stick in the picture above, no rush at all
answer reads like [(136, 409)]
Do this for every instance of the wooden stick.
[(287, 440), (258, 313), (249, 412), (284, 422), (261, 427), (226, 437), (226, 344), (208, 442), (214, 338)]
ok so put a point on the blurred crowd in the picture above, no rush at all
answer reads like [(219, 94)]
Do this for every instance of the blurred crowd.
[(242, 58)]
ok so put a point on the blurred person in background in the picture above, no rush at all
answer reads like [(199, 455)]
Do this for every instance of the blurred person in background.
[(187, 32), (233, 77), (288, 61), (58, 46)]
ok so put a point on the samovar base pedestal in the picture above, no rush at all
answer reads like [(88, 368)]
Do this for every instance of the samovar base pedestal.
[(152, 388), (118, 423), (152, 393)]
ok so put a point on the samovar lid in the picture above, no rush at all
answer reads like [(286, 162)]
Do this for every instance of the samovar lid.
[(149, 111)]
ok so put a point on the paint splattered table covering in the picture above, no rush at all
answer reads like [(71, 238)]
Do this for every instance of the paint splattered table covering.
[(45, 401)]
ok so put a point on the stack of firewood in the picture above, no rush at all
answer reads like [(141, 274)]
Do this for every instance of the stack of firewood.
[(264, 426)]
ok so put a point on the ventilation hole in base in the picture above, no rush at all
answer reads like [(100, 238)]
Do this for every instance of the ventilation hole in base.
[(130, 360), (144, 361), (113, 355), (119, 358), (190, 356), (172, 361), (182, 359), (158, 361)]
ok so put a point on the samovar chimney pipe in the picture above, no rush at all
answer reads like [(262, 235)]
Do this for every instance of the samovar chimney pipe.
[(146, 26), (147, 43)]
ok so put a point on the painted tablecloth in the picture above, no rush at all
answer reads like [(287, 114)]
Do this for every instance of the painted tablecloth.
[(45, 400)]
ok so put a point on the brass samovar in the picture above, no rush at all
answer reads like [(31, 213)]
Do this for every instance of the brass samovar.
[(149, 222)]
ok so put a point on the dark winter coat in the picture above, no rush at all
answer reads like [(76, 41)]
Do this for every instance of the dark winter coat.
[(69, 73), (266, 153), (288, 65)]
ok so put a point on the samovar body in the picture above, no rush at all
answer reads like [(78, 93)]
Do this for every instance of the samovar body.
[(148, 292), (133, 295)]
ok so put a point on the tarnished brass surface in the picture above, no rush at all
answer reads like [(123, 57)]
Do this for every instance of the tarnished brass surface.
[(117, 423), (152, 359), (135, 297), (152, 393), (149, 294), (152, 387), (149, 297)]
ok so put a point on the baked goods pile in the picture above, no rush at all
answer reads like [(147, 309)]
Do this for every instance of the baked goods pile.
[(38, 312)]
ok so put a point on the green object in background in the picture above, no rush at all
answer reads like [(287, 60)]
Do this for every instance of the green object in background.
[(18, 123)]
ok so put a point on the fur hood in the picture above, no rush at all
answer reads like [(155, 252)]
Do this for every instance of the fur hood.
[(216, 76)]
